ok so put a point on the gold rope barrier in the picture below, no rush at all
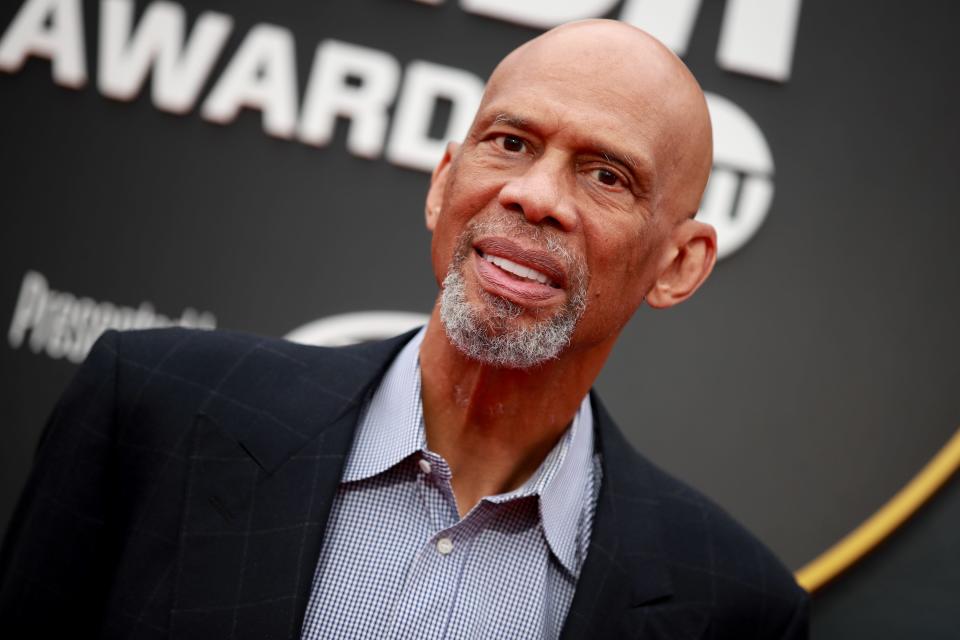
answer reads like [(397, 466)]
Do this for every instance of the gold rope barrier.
[(868, 535)]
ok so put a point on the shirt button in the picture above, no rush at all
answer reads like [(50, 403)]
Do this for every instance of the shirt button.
[(444, 546), (425, 466)]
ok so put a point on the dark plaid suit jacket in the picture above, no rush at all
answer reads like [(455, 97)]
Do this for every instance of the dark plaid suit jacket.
[(183, 483)]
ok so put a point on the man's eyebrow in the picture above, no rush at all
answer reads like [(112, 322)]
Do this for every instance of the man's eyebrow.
[(511, 120), (624, 159)]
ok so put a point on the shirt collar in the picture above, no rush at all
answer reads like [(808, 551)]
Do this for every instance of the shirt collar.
[(391, 429), (392, 424), (564, 495)]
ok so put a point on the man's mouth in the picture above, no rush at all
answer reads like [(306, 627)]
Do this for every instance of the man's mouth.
[(532, 264), (520, 271), (529, 277)]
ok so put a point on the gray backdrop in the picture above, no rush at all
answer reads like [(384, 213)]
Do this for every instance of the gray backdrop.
[(812, 376)]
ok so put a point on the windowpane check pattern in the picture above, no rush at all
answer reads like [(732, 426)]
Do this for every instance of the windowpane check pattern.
[(398, 561)]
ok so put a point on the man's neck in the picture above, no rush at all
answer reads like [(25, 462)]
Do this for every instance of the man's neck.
[(494, 426)]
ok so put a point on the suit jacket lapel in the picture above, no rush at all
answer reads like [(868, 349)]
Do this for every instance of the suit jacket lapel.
[(625, 578), (269, 451)]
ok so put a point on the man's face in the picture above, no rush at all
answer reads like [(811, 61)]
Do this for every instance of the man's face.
[(551, 227)]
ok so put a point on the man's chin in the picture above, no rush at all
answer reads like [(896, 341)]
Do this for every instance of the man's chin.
[(496, 331)]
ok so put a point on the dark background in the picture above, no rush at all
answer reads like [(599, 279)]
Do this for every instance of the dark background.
[(803, 386)]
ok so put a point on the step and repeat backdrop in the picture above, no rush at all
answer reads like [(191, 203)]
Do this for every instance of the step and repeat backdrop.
[(262, 167)]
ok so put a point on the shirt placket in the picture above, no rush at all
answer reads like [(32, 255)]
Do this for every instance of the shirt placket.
[(433, 583)]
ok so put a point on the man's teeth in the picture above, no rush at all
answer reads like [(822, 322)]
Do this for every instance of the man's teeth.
[(517, 269)]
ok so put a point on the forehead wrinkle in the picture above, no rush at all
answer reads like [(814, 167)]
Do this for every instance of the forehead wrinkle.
[(606, 152), (605, 101)]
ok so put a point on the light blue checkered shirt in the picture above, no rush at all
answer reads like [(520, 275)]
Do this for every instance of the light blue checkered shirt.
[(398, 561)]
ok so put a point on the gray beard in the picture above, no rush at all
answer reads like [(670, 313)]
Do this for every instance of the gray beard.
[(492, 335)]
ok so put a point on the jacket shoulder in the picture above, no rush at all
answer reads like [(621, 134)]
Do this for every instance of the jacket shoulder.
[(160, 371), (715, 559), (221, 347), (208, 359), (218, 348), (714, 563), (725, 546)]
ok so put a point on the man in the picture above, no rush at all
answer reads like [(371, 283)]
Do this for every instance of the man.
[(458, 483)]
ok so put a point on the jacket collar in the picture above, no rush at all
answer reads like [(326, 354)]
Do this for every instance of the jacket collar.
[(625, 567)]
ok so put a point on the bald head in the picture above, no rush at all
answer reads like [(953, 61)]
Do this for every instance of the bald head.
[(625, 71)]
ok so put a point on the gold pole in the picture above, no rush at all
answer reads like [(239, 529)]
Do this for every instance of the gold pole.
[(881, 524)]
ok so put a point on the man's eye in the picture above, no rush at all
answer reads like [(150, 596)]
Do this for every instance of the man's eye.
[(513, 143), (607, 177)]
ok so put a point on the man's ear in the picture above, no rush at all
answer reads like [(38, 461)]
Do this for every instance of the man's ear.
[(688, 260), (438, 183)]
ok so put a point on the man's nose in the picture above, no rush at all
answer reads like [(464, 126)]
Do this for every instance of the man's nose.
[(543, 194)]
